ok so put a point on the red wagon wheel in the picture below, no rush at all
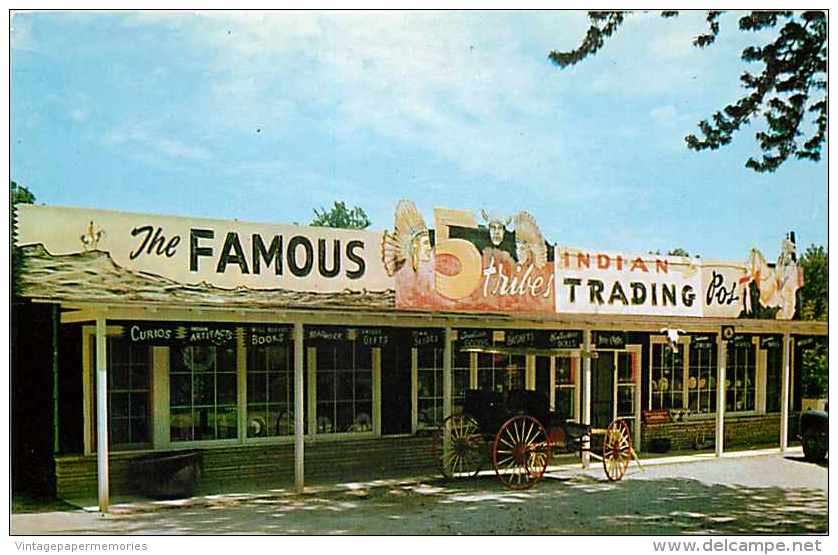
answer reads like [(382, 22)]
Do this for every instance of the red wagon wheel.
[(521, 452), (616, 450), (458, 446)]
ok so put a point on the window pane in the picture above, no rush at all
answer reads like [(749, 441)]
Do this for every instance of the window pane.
[(181, 390), (203, 393), (119, 405), (181, 421), (344, 387)]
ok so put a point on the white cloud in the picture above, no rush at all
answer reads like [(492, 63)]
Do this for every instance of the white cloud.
[(436, 81), (664, 115), (79, 115), (144, 140)]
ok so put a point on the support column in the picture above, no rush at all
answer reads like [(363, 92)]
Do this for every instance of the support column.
[(784, 393), (586, 393), (56, 330), (102, 412), (448, 374), (720, 395), (299, 444)]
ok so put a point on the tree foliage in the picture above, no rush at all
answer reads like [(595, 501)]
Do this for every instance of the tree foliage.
[(340, 216), (20, 194), (789, 92), (814, 295)]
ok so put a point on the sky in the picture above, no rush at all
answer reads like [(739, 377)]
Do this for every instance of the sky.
[(265, 117)]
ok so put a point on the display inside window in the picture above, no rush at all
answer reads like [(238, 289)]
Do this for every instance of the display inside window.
[(203, 393), (500, 372), (628, 364), (702, 377), (461, 368), (667, 377), (129, 393), (270, 391), (566, 368), (740, 382), (344, 387), (430, 387), (773, 378)]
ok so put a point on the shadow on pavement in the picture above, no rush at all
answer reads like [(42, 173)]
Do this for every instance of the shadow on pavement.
[(578, 505)]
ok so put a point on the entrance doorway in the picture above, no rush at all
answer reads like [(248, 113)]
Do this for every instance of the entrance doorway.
[(615, 387), (602, 389)]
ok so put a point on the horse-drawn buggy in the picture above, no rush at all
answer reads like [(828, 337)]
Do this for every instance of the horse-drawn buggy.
[(521, 436)]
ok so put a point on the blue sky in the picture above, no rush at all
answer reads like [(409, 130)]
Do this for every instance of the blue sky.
[(264, 117)]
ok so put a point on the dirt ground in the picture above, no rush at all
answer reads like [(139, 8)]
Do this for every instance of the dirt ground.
[(748, 495)]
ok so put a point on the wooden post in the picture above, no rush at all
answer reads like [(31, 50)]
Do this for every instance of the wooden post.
[(720, 395), (102, 412), (56, 330), (299, 444), (784, 393), (586, 394), (447, 374)]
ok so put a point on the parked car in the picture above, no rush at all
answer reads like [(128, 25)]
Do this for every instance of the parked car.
[(814, 434)]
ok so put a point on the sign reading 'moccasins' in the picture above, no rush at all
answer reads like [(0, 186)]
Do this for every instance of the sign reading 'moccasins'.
[(220, 253), (597, 282)]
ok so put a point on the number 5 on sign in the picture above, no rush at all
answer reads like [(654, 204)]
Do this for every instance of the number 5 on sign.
[(467, 279)]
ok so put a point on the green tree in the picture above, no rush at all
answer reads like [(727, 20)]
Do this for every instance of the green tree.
[(814, 295), (678, 251), (790, 86), (340, 216), (20, 194)]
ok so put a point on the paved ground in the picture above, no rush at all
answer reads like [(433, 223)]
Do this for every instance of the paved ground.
[(747, 495)]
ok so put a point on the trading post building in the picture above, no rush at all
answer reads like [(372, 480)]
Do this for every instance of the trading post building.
[(278, 352)]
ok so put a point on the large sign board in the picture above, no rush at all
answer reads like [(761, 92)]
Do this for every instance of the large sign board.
[(598, 282), (502, 265), (494, 263), (224, 254)]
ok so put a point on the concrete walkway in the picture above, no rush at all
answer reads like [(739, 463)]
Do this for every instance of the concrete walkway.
[(702, 467)]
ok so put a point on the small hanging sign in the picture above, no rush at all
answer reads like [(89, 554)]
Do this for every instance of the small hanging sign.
[(704, 341), (427, 338), (609, 339), (175, 333), (474, 338), (770, 342), (258, 336)]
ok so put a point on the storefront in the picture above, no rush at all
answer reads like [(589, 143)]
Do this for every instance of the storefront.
[(292, 351)]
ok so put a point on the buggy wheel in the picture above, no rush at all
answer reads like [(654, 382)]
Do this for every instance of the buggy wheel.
[(521, 452), (616, 450), (458, 446)]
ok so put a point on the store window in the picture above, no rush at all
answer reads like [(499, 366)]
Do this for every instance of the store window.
[(667, 374), (461, 368), (566, 369), (740, 376), (129, 393), (203, 392), (773, 377), (500, 372), (270, 390), (628, 365), (702, 376), (344, 387), (429, 360)]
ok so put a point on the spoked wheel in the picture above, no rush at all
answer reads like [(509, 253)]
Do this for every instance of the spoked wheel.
[(521, 452), (616, 450), (458, 446)]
